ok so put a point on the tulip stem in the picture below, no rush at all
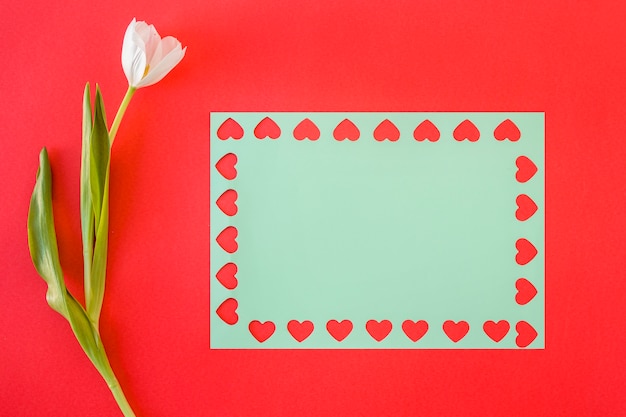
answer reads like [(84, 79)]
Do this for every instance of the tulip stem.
[(120, 112), (122, 403), (107, 373)]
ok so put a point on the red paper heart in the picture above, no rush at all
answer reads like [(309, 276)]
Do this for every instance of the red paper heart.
[(226, 276), (226, 166), (339, 329), (507, 130), (306, 129), (261, 331), (226, 239), (526, 207), (346, 130), (230, 129), (378, 329), (466, 130), (300, 331), (227, 202), (386, 130), (227, 311), (526, 169), (526, 291), (415, 330), (525, 251), (426, 131), (496, 331), (525, 334), (455, 331), (267, 128)]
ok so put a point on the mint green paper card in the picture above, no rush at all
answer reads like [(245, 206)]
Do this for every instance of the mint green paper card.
[(377, 230)]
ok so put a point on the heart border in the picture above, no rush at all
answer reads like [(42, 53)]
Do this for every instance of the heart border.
[(383, 123)]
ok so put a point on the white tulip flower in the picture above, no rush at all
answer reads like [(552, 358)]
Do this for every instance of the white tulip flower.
[(146, 57)]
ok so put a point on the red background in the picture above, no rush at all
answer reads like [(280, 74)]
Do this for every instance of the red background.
[(567, 59)]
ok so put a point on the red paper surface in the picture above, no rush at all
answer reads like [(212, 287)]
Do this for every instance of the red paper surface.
[(565, 59)]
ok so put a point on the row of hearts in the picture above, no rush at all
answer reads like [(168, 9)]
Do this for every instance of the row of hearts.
[(227, 276), (379, 330), (526, 168), (227, 240), (386, 130), (227, 203)]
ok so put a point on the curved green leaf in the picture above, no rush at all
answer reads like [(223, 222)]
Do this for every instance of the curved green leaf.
[(42, 240), (42, 243)]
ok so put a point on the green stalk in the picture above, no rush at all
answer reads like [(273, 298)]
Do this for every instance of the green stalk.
[(98, 167), (99, 261), (120, 112), (107, 371), (109, 376)]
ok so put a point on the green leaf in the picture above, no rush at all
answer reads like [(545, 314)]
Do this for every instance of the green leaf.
[(99, 166), (100, 151), (86, 204), (95, 296), (42, 243), (42, 240)]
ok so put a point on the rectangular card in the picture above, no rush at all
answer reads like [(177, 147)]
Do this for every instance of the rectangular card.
[(377, 230)]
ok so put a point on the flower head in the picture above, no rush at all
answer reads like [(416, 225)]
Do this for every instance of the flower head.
[(146, 57)]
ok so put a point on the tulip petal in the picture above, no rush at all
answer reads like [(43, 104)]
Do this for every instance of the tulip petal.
[(138, 67), (162, 68), (150, 38), (168, 44), (133, 54), (129, 50), (157, 55)]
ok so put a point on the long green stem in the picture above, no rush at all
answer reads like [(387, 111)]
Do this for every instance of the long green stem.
[(120, 112), (105, 368), (106, 371)]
